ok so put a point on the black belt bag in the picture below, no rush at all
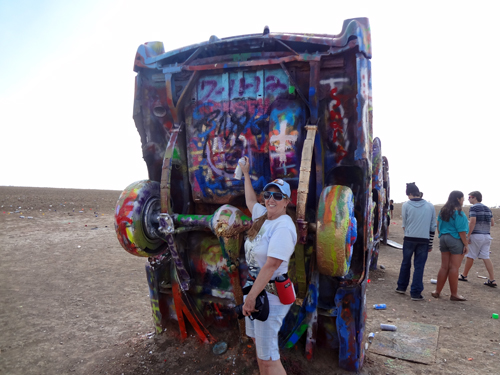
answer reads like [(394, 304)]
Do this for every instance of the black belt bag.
[(261, 304)]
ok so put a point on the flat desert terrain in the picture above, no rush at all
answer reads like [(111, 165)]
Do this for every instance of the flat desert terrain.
[(72, 301)]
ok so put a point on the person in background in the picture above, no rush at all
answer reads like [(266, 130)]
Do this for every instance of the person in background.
[(388, 221), (390, 212), (481, 220), (419, 224), (453, 227), (270, 244)]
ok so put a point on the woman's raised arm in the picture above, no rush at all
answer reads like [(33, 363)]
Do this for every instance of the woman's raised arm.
[(250, 196)]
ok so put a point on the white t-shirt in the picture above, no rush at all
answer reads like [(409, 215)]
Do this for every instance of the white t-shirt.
[(277, 239)]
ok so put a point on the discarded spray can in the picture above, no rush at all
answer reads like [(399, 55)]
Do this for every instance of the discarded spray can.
[(388, 327), (370, 337), (494, 316), (238, 173), (380, 306), (220, 348), (434, 281)]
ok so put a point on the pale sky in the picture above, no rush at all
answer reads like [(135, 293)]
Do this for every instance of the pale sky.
[(67, 84)]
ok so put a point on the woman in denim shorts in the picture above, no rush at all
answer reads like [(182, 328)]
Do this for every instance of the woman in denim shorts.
[(452, 227), (268, 248)]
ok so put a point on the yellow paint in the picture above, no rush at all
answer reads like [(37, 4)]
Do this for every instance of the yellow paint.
[(332, 248), (130, 234)]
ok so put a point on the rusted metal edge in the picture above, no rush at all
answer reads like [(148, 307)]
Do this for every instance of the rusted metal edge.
[(357, 27), (241, 64), (287, 46)]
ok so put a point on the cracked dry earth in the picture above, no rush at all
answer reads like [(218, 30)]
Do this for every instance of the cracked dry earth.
[(74, 302)]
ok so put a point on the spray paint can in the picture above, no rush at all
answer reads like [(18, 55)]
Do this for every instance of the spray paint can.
[(434, 281), (388, 327), (238, 173), (380, 306), (370, 337)]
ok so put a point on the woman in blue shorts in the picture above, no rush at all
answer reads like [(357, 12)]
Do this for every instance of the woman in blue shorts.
[(452, 227), (268, 248)]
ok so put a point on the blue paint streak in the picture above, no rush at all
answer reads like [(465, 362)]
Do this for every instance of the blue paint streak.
[(361, 137)]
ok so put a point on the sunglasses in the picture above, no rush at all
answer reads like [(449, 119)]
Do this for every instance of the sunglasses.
[(277, 196)]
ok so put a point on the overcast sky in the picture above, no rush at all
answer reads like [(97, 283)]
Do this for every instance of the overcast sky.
[(67, 84)]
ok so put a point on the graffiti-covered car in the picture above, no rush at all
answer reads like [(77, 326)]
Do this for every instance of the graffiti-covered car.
[(299, 107)]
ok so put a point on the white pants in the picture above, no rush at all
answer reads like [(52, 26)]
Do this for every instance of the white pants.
[(266, 333), (479, 246)]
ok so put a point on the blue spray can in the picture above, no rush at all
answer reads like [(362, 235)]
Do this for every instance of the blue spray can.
[(388, 327), (380, 306)]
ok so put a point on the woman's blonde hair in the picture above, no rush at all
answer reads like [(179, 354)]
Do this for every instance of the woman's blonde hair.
[(256, 225)]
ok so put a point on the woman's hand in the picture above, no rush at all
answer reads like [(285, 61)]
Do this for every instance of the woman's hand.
[(249, 306), (265, 274), (465, 241), (245, 168)]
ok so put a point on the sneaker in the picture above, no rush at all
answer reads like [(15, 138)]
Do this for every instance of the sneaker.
[(400, 291), (419, 298)]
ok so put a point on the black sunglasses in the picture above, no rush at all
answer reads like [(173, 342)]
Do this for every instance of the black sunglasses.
[(277, 196)]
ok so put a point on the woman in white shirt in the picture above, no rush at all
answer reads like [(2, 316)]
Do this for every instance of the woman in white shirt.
[(268, 248)]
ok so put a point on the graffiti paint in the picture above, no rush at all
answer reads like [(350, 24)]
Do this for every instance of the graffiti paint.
[(130, 228), (337, 123), (364, 110), (336, 230), (154, 297)]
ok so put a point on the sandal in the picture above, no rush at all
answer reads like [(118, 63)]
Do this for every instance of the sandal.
[(491, 283), (435, 294), (459, 298), (462, 278)]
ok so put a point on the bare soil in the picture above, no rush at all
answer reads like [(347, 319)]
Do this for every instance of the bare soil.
[(74, 302)]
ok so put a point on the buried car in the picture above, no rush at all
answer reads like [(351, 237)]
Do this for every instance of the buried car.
[(299, 107)]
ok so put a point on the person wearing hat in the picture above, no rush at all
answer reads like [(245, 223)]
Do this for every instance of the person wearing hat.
[(268, 248)]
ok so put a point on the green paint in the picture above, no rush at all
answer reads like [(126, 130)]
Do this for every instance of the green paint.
[(195, 217), (291, 89), (241, 56), (299, 332), (176, 155)]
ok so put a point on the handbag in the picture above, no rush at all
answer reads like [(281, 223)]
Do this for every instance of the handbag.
[(261, 304)]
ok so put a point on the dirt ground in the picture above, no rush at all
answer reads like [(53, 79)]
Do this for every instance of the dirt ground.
[(74, 302)]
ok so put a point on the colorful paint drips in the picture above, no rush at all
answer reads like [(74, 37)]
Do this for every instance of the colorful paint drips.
[(336, 230)]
